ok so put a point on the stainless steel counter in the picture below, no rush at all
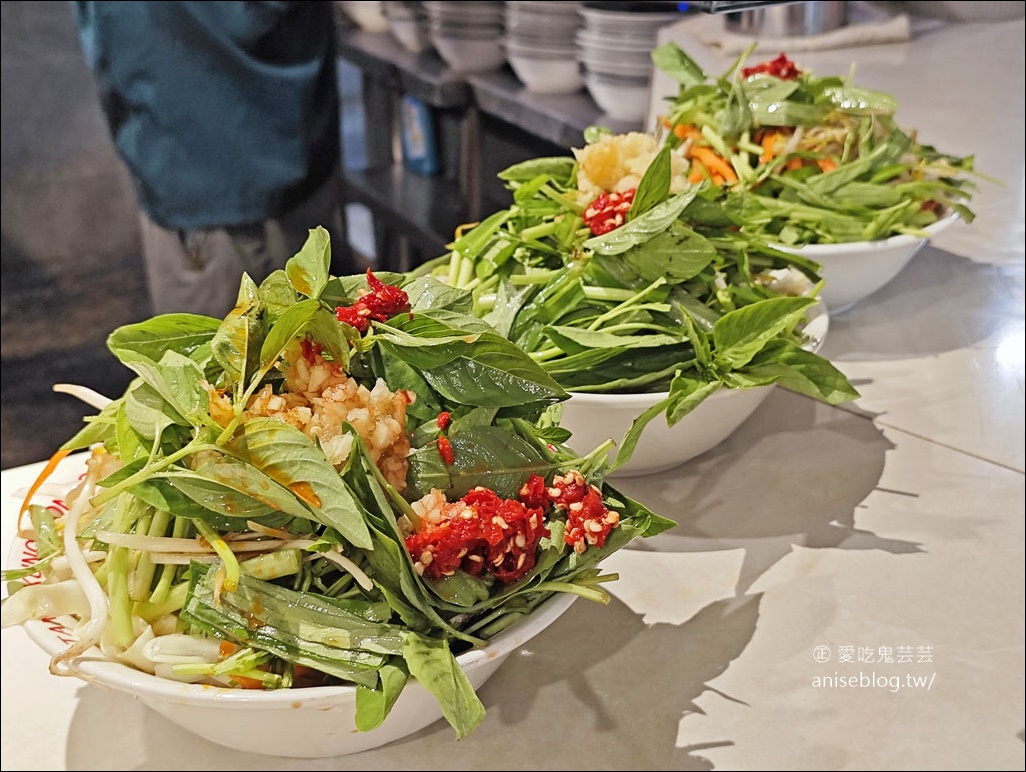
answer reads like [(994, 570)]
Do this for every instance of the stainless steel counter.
[(881, 542)]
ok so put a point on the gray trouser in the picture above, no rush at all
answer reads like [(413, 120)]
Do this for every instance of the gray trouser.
[(198, 271)]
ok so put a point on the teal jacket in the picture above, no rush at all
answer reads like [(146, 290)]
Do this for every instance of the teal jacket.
[(225, 113)]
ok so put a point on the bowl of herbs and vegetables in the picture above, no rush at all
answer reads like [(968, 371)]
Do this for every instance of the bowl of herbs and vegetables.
[(317, 525), (816, 165), (671, 304)]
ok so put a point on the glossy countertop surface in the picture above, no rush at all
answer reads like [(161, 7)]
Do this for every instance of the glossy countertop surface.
[(886, 536)]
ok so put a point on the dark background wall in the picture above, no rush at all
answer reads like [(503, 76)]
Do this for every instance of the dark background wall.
[(70, 250)]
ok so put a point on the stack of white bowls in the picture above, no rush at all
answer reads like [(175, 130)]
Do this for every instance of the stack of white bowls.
[(467, 35), (615, 48), (540, 45), (408, 23)]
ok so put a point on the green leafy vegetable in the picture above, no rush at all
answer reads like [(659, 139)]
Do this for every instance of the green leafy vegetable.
[(261, 478)]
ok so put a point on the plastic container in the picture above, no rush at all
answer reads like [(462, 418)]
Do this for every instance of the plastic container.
[(419, 139)]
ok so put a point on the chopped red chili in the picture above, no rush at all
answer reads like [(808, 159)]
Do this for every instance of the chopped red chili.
[(311, 350), (482, 532), (485, 533), (443, 420), (445, 450), (588, 521), (781, 67), (608, 212), (381, 302)]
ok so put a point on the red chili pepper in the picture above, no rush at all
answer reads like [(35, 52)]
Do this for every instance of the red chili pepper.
[(445, 450), (608, 212), (311, 350), (781, 67), (381, 302), (482, 532), (588, 521), (443, 420)]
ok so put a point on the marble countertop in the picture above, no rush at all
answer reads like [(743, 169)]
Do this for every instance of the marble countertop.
[(879, 544)]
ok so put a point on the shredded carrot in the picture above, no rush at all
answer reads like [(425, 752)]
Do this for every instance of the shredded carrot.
[(698, 172), (245, 682), (51, 465), (715, 163), (717, 179), (826, 164), (685, 130), (461, 229), (768, 142), (664, 121), (794, 164)]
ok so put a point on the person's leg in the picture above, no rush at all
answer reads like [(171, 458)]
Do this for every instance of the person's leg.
[(199, 271)]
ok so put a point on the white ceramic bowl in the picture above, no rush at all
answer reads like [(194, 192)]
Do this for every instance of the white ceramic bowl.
[(411, 33), (857, 269), (602, 66), (595, 418), (546, 74), (367, 15), (623, 99), (310, 722), (469, 54), (627, 23)]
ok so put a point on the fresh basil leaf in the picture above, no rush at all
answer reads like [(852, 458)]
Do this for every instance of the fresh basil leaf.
[(177, 379), (654, 221), (99, 428), (654, 185), (672, 59), (480, 369), (483, 455), (435, 668), (630, 440), (374, 704), (276, 293), (184, 333), (148, 412), (427, 293), (801, 371), (286, 328), (236, 344), (685, 395), (741, 334), (130, 444), (291, 459), (307, 270), (678, 254)]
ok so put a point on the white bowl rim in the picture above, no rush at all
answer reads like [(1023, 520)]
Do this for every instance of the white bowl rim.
[(94, 666), (900, 240)]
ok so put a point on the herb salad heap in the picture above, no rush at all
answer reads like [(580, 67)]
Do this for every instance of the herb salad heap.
[(346, 480), (618, 275), (803, 159)]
